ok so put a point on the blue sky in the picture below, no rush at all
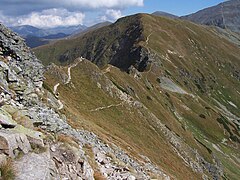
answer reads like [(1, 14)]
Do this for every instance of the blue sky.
[(177, 7), (53, 13)]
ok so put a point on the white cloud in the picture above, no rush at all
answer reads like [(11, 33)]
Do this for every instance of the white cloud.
[(52, 18), (52, 13), (102, 3), (111, 15), (47, 18), (6, 19), (14, 7)]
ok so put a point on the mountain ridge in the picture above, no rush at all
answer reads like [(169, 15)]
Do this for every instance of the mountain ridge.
[(175, 76), (38, 140)]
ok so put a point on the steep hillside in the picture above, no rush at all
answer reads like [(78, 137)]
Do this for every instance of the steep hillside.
[(225, 15), (38, 139), (162, 88), (100, 46)]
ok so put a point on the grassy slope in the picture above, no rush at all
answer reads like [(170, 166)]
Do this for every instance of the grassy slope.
[(208, 62), (97, 45), (123, 125)]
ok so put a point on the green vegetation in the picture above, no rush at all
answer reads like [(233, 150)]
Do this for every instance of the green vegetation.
[(192, 56)]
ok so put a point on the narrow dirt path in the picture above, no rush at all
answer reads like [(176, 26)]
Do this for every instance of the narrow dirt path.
[(148, 38), (108, 69), (55, 88), (67, 82), (106, 107), (69, 70), (60, 105)]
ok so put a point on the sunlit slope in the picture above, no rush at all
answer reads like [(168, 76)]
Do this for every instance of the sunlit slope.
[(167, 89)]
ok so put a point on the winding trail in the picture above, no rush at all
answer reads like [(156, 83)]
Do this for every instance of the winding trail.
[(108, 69), (67, 82), (60, 104), (107, 107), (69, 70), (55, 88), (148, 38)]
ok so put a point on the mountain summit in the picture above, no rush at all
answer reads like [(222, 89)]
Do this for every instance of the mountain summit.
[(225, 15)]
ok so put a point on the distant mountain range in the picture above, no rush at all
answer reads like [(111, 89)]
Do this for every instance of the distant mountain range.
[(35, 37), (27, 30), (91, 28), (225, 15)]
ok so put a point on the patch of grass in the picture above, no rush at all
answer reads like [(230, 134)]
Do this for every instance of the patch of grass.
[(46, 86), (67, 139), (208, 149), (91, 159), (38, 149), (98, 176), (7, 170), (226, 124)]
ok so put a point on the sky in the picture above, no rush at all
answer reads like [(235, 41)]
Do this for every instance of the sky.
[(54, 13)]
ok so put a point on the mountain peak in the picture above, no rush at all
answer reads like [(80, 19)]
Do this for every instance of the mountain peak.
[(225, 15)]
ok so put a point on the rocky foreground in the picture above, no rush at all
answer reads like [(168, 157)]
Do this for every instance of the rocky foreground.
[(36, 142)]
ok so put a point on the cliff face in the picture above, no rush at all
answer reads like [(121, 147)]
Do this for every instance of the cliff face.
[(36, 140)]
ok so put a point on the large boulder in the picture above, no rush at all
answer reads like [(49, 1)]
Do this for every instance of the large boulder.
[(34, 137), (33, 166), (10, 142), (6, 119)]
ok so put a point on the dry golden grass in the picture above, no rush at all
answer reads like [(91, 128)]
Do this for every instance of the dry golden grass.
[(67, 139), (99, 176), (199, 49), (7, 170)]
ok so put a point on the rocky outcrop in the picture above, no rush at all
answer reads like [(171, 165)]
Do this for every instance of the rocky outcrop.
[(21, 73), (71, 162), (33, 166), (6, 119), (12, 142)]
